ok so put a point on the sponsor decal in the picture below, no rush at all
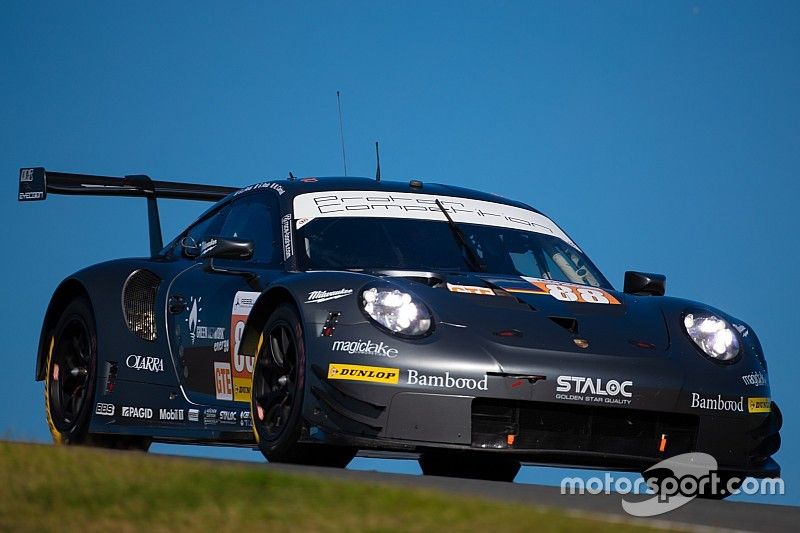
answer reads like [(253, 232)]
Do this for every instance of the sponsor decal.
[(140, 362), (223, 382), (324, 296), (210, 333), (594, 390), (171, 414), (241, 365), (365, 348), (207, 246), (717, 403), (759, 405), (245, 420), (742, 330), (194, 415), (374, 374), (374, 204), (756, 379), (227, 417), (277, 187), (104, 409), (447, 381), (194, 316), (566, 292), (470, 289), (137, 412), (210, 416), (286, 229), (25, 174)]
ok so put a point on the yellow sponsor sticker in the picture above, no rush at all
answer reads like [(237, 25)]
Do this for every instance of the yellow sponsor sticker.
[(758, 405), (241, 389), (374, 374)]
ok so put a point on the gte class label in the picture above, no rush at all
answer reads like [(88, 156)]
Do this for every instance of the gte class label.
[(374, 374)]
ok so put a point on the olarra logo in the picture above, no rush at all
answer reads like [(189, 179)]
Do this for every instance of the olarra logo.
[(140, 362), (365, 348), (324, 296)]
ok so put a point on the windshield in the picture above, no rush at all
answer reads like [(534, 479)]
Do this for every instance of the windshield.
[(356, 243)]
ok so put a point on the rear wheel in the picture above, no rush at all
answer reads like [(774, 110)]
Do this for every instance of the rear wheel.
[(277, 396), (469, 465), (70, 381)]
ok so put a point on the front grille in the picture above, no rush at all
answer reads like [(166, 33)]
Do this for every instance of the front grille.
[(580, 428), (139, 302)]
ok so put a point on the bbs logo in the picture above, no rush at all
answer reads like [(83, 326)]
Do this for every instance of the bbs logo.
[(105, 409)]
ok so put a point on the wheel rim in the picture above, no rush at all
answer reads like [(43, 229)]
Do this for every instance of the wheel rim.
[(69, 374), (275, 380)]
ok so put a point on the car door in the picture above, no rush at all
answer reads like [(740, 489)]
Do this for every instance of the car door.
[(208, 303)]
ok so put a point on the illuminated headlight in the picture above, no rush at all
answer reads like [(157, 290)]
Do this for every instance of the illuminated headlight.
[(397, 311), (713, 335)]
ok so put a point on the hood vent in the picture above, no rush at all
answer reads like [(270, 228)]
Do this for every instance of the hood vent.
[(139, 303), (569, 324)]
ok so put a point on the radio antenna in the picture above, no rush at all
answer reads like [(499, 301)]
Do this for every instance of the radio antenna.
[(378, 157), (341, 132)]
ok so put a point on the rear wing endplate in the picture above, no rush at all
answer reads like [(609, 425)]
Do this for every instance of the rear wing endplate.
[(36, 182)]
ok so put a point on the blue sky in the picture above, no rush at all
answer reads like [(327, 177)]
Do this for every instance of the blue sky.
[(663, 136)]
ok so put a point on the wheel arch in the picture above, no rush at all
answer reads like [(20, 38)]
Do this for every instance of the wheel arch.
[(263, 308), (67, 291)]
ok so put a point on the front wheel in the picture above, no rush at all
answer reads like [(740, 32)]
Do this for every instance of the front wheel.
[(277, 396)]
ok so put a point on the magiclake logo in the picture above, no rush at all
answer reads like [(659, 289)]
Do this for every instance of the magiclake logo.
[(374, 374)]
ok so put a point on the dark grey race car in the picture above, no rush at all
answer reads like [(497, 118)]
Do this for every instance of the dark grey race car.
[(323, 317)]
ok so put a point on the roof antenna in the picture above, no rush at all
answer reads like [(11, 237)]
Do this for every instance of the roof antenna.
[(378, 157), (291, 177), (341, 132)]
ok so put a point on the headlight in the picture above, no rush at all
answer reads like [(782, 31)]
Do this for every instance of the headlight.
[(713, 335), (397, 311)]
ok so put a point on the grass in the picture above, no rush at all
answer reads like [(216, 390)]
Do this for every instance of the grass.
[(48, 488)]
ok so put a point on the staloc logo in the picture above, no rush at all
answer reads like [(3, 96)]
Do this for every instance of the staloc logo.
[(595, 386), (717, 404), (447, 381), (140, 362), (171, 414), (365, 348), (137, 412)]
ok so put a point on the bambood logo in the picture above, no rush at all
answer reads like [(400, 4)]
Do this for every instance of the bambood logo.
[(140, 362), (717, 403), (374, 374), (447, 381)]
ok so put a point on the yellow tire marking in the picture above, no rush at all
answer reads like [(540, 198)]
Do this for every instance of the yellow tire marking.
[(57, 437)]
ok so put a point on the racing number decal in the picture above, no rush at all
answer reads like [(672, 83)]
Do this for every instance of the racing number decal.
[(567, 292), (241, 365)]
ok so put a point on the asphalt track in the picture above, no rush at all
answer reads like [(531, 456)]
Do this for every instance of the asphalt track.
[(697, 515)]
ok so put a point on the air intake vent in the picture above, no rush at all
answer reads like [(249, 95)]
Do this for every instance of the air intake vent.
[(139, 303)]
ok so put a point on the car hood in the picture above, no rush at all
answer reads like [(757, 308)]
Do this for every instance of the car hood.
[(520, 312)]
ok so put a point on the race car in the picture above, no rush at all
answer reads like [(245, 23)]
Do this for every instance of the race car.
[(318, 318)]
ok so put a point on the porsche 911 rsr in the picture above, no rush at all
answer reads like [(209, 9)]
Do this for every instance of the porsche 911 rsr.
[(320, 318)]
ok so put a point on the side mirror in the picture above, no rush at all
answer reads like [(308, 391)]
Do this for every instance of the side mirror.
[(223, 248), (644, 284)]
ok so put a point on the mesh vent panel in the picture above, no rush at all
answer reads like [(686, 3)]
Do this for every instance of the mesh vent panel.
[(139, 303)]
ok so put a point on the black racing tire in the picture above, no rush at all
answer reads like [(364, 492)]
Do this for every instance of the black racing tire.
[(469, 465), (71, 379), (277, 396)]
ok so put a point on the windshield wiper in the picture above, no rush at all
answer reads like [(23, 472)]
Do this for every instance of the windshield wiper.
[(472, 257)]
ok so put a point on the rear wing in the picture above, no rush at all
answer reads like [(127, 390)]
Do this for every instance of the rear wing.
[(35, 183)]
